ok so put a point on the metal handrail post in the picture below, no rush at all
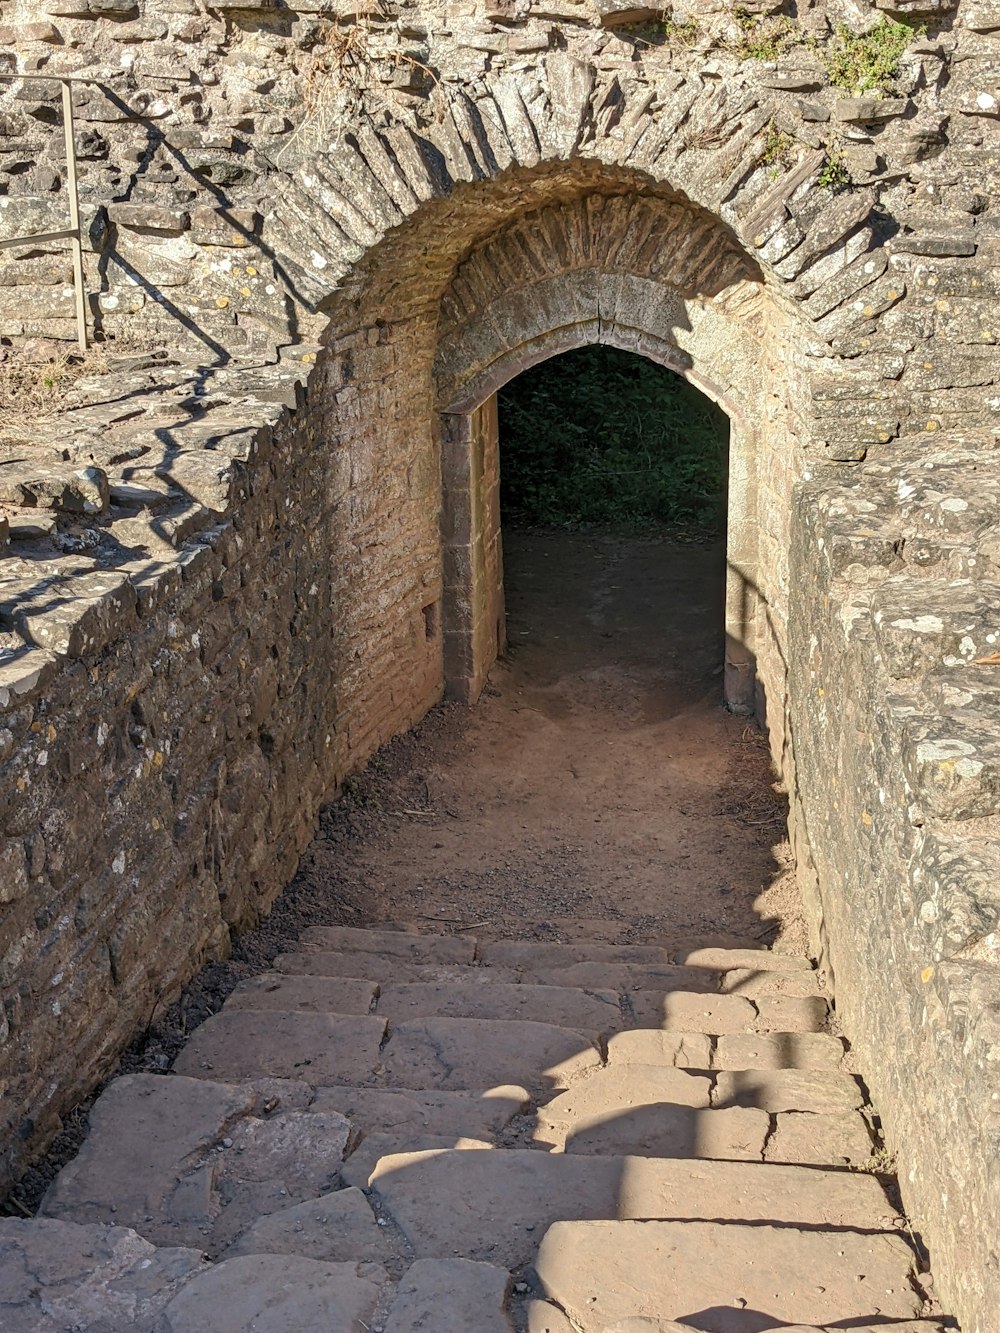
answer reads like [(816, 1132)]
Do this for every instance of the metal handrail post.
[(74, 213)]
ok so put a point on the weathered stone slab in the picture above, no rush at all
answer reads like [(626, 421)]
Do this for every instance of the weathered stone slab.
[(275, 1293), (391, 944), (56, 1276), (334, 1228), (775, 1090), (305, 994), (733, 1276), (680, 1012), (594, 1011), (664, 1130), (823, 1140), (182, 1159), (778, 1050), (482, 1204), (791, 1013), (320, 1048), (460, 1114), (466, 1053), (634, 1107), (625, 976), (450, 1296), (680, 1050)]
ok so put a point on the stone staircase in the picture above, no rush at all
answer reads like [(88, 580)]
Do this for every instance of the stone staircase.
[(393, 1132)]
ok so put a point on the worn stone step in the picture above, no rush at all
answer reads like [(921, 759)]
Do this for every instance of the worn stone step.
[(683, 1011), (305, 994), (775, 1090), (649, 1111), (750, 960), (700, 1050), (732, 1278), (755, 982), (624, 977), (242, 1044), (474, 1115), (595, 1012), (390, 944), (543, 953), (385, 968), (469, 1053), (448, 1054), (494, 1205), (188, 1161)]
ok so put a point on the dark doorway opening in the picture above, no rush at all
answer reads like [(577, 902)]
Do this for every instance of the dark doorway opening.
[(613, 475), (598, 436)]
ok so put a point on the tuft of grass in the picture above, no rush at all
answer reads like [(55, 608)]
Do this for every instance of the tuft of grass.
[(762, 37), (868, 62), (779, 150), (665, 32)]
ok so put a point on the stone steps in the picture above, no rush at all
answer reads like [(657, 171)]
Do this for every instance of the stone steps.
[(392, 1128)]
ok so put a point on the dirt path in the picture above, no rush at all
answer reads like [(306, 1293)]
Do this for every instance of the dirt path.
[(599, 777)]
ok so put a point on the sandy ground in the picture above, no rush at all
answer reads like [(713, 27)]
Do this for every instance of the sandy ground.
[(599, 790), (599, 777)]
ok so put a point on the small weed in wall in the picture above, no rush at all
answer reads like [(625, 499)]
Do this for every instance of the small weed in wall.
[(761, 37), (779, 150), (868, 62), (833, 174)]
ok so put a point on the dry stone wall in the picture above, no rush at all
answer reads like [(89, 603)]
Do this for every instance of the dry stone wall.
[(232, 570)]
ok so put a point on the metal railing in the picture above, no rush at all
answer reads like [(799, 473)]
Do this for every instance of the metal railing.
[(72, 232)]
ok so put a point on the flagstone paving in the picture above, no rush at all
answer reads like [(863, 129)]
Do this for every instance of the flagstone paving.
[(403, 1132)]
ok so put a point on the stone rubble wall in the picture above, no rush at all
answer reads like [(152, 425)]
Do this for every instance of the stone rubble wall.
[(281, 197), (895, 710), (169, 735)]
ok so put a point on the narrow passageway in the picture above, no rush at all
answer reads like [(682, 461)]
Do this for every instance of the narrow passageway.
[(599, 777), (531, 1044)]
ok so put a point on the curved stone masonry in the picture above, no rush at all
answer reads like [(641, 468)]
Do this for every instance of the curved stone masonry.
[(221, 593)]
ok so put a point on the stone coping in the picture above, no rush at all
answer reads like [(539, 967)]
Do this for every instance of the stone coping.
[(109, 504)]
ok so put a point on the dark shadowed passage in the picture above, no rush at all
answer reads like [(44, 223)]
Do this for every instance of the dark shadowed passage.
[(599, 784)]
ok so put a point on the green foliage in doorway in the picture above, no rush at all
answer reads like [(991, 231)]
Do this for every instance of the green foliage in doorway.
[(599, 436)]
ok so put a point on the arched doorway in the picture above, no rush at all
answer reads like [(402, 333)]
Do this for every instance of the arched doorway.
[(692, 308)]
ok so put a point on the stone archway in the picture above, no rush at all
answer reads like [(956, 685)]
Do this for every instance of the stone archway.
[(641, 274)]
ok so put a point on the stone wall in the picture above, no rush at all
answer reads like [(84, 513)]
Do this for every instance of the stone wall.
[(164, 757), (225, 587), (895, 708)]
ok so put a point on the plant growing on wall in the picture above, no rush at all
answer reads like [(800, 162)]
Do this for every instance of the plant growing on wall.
[(599, 436), (869, 61)]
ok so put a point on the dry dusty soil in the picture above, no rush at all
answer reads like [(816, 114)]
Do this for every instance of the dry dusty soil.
[(599, 790)]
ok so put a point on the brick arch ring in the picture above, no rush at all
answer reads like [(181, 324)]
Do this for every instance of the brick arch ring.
[(694, 306)]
